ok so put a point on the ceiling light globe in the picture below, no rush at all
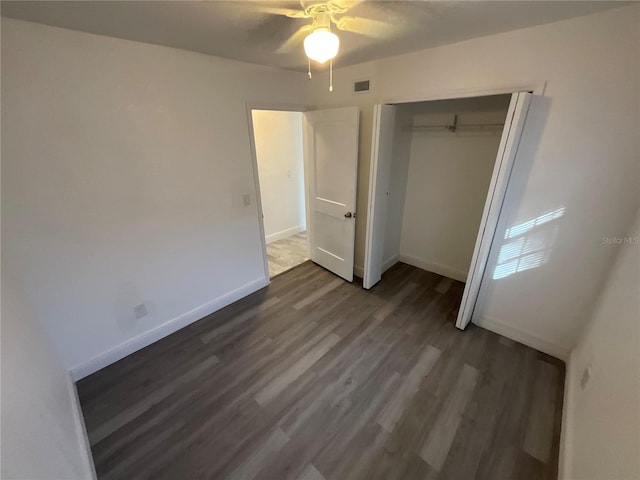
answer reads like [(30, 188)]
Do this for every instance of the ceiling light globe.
[(321, 45)]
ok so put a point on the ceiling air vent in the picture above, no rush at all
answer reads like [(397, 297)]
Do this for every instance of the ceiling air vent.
[(361, 86)]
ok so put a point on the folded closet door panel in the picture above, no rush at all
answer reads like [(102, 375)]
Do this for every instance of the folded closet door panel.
[(379, 177), (514, 124)]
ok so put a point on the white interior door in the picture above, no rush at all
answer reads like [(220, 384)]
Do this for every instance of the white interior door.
[(379, 178), (514, 124), (331, 163)]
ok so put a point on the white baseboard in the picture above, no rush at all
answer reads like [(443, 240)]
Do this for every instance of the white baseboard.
[(284, 234), (147, 338), (358, 271), (533, 341), (444, 270), (566, 435), (390, 262), (81, 431)]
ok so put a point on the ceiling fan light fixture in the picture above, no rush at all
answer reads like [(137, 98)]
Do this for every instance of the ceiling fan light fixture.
[(321, 45)]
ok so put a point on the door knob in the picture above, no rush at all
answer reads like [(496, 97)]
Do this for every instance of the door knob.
[(348, 215)]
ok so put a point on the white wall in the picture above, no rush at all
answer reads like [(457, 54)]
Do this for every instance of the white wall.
[(579, 152), (278, 142), (397, 188), (42, 429), (124, 170), (601, 429), (448, 179)]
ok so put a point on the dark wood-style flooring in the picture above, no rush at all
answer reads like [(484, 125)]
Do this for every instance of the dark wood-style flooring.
[(316, 378)]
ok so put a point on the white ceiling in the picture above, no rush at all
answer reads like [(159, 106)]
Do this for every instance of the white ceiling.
[(240, 31)]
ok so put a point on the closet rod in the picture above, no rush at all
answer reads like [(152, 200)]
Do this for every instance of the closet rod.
[(451, 127)]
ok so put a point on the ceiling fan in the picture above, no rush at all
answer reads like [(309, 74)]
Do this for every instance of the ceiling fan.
[(321, 44)]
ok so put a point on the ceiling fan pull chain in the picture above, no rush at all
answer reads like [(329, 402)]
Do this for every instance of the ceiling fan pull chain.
[(309, 69), (331, 75)]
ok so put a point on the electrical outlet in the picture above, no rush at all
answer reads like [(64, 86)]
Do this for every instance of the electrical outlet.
[(586, 375), (140, 311), (246, 199)]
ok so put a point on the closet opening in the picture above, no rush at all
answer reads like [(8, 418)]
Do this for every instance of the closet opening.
[(438, 177)]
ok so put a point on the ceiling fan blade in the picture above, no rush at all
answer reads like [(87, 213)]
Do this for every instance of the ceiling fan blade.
[(287, 12), (296, 39), (346, 4), (367, 27)]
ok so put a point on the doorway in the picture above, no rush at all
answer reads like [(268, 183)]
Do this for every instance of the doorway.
[(278, 142), (438, 178), (316, 153)]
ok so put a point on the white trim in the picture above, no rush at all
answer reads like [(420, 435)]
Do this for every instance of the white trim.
[(258, 196), (444, 270), (284, 234), (537, 88), (147, 338), (566, 434), (390, 262), (81, 430), (520, 336), (278, 107), (281, 107), (306, 155), (358, 271)]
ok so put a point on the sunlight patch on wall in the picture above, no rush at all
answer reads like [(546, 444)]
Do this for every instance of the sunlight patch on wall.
[(529, 244)]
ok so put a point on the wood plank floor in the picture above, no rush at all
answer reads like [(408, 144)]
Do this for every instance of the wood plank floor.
[(287, 253), (316, 378)]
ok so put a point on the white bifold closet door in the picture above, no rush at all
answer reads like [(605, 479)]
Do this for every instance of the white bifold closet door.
[(381, 161), (331, 169), (379, 178), (513, 126)]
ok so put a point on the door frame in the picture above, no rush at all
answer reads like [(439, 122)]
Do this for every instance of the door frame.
[(536, 88), (278, 107)]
